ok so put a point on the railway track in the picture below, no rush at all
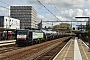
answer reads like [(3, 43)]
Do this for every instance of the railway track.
[(49, 55), (32, 52), (8, 48)]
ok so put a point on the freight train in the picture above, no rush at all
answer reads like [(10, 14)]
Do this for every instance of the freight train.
[(29, 37)]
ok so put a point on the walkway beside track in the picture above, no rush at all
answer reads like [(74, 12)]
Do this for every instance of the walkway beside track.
[(75, 49), (77, 54)]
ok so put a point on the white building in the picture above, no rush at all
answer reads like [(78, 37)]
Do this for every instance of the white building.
[(10, 23)]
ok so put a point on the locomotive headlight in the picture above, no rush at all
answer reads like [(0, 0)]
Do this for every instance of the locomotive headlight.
[(21, 38)]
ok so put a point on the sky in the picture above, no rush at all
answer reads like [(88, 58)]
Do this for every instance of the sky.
[(62, 10)]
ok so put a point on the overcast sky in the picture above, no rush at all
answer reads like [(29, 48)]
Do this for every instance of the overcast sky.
[(64, 10)]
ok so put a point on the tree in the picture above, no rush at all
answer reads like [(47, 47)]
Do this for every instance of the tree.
[(63, 26), (45, 27), (56, 26), (49, 27), (87, 26)]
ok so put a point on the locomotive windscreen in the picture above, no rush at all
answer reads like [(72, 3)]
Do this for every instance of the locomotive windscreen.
[(23, 32)]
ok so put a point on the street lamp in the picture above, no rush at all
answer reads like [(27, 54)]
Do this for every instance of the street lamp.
[(88, 30)]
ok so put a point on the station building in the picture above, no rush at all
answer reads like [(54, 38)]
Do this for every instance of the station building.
[(26, 15), (9, 23)]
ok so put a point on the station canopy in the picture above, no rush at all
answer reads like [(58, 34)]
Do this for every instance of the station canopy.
[(6, 29), (79, 31)]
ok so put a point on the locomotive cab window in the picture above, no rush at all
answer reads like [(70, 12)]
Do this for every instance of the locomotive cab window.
[(24, 32)]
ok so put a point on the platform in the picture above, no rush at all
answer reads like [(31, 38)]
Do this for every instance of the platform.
[(75, 49), (7, 42)]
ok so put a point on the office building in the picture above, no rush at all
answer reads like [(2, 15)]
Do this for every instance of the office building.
[(26, 15)]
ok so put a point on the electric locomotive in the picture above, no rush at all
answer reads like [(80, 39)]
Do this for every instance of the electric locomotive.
[(27, 37)]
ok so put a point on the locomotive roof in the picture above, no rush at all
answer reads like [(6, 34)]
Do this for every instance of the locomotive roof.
[(32, 30)]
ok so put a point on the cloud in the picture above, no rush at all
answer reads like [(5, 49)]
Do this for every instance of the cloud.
[(15, 5), (62, 4), (69, 3), (4, 12), (10, 1), (40, 17), (34, 3), (86, 12), (69, 15), (67, 9)]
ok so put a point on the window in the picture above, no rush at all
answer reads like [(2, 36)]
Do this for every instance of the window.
[(10, 20), (6, 19)]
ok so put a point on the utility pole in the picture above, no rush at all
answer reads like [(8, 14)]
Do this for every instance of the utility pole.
[(52, 25)]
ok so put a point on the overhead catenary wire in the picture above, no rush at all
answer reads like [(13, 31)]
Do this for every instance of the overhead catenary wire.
[(4, 7), (48, 10), (22, 2), (4, 3), (55, 7), (45, 7)]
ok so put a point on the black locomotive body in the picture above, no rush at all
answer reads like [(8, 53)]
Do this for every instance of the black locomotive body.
[(27, 37)]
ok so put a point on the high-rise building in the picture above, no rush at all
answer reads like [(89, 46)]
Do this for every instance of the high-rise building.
[(26, 15)]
